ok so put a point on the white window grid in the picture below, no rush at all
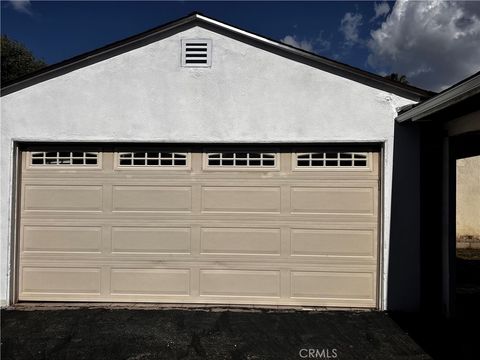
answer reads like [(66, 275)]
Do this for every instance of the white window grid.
[(241, 159), (332, 159), (196, 52), (64, 158), (152, 159)]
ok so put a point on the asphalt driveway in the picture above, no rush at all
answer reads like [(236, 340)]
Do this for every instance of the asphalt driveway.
[(102, 333)]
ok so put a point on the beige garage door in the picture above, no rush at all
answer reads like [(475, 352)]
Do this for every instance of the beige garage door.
[(241, 225)]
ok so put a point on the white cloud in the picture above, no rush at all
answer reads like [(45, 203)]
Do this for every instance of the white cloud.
[(381, 9), (435, 44), (292, 40), (23, 6), (317, 45), (321, 44), (349, 27)]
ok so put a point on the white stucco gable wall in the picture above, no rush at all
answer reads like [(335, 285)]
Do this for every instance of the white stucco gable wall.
[(144, 95)]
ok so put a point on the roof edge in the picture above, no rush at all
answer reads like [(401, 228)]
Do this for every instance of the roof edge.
[(101, 50), (418, 92), (413, 92), (456, 93)]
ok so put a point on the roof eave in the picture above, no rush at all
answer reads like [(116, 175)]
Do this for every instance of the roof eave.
[(103, 50), (441, 101), (407, 91), (420, 93)]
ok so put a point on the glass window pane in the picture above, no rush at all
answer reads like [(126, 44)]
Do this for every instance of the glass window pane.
[(166, 162), (77, 161), (152, 162)]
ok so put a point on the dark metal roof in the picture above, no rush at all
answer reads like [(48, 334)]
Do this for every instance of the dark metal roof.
[(196, 18)]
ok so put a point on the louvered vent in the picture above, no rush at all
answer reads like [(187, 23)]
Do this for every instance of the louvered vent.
[(196, 52)]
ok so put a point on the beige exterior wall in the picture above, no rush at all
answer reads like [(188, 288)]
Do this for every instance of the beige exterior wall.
[(468, 197)]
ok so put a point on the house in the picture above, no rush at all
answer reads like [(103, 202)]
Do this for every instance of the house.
[(199, 163), (439, 132)]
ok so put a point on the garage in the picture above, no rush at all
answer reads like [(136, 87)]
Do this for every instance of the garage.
[(238, 224), (200, 163)]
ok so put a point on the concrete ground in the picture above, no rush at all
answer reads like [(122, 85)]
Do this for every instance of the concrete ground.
[(102, 333)]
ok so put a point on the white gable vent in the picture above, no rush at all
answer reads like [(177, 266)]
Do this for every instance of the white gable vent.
[(196, 52)]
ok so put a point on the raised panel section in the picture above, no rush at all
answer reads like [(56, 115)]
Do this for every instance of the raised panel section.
[(232, 283), (62, 239), (63, 197), (152, 198), (151, 240), (61, 280), (237, 199), (238, 241), (333, 285), (150, 281), (333, 242), (333, 200)]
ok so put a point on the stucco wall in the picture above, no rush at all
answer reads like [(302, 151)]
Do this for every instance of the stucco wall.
[(468, 197), (248, 95)]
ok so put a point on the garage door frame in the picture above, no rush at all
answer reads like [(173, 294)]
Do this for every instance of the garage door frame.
[(19, 146)]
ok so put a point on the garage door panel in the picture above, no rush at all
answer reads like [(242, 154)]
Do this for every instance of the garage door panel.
[(333, 242), (333, 285), (266, 236), (151, 240), (61, 280), (62, 239), (150, 281), (238, 199), (152, 198), (330, 200), (231, 283), (66, 198), (240, 241)]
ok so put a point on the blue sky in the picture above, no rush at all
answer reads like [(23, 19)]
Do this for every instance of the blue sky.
[(350, 32)]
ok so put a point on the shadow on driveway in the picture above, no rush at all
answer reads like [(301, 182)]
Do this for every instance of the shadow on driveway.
[(102, 333)]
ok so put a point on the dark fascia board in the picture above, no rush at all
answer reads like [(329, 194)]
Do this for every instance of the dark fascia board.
[(193, 19), (461, 91)]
